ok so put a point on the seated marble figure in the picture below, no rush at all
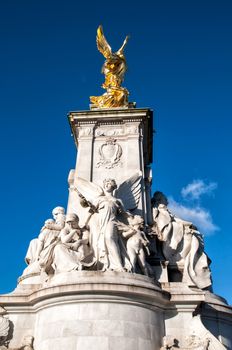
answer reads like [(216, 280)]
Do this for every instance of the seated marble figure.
[(182, 244), (72, 251), (39, 253)]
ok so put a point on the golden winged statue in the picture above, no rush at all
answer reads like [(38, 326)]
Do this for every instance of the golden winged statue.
[(114, 69)]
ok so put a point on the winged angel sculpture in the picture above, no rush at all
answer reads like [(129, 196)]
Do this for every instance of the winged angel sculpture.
[(109, 207), (114, 69)]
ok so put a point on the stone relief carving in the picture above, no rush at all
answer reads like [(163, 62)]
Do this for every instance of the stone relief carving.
[(196, 343), (192, 342), (182, 244), (85, 131), (27, 344), (4, 330), (109, 132), (132, 130), (169, 343), (110, 154)]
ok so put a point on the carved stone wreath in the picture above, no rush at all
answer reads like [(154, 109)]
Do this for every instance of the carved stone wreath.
[(110, 154)]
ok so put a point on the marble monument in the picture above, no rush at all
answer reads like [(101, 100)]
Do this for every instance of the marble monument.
[(116, 268)]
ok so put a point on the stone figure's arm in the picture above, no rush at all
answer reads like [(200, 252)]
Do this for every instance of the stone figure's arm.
[(66, 236), (85, 237), (83, 241), (122, 210), (58, 225), (125, 230), (183, 222), (40, 245), (155, 213), (129, 233), (39, 249)]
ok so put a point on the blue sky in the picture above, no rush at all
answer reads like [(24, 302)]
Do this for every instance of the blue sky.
[(180, 65)]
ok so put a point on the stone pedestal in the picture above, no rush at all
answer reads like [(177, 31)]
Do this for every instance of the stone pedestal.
[(111, 311), (114, 143), (89, 310)]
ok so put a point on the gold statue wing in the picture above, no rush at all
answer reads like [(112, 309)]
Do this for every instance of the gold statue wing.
[(120, 51), (102, 43)]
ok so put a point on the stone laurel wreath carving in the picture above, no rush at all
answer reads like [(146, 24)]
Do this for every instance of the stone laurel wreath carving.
[(85, 131), (132, 130), (109, 132), (110, 154)]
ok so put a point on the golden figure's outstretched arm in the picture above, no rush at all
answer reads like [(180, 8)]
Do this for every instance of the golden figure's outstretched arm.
[(102, 43)]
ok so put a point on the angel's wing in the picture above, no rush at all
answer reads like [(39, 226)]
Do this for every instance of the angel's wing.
[(129, 191), (89, 190), (120, 51), (102, 43)]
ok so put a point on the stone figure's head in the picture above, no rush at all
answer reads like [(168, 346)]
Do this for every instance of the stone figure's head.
[(58, 210), (136, 220), (72, 220), (169, 341), (193, 340), (109, 185), (49, 221), (159, 198), (28, 340)]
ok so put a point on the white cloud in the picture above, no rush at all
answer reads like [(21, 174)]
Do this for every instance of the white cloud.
[(199, 216), (197, 188)]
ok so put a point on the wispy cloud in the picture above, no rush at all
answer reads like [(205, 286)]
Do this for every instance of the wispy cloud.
[(199, 216), (197, 188), (190, 207)]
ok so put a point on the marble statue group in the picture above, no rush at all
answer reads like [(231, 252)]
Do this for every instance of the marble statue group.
[(115, 237)]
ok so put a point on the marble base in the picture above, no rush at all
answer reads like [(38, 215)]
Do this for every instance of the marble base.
[(89, 310), (114, 310)]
